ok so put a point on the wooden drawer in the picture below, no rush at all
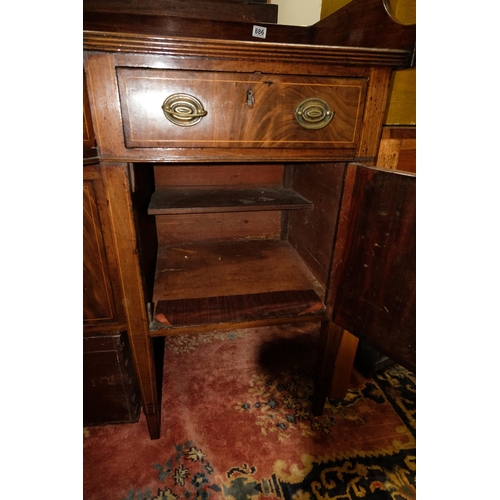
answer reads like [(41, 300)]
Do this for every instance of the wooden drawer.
[(242, 109)]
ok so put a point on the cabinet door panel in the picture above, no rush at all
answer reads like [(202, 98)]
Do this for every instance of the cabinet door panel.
[(100, 283), (375, 287), (97, 300)]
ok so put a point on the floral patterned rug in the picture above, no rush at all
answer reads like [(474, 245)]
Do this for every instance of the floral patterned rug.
[(236, 424)]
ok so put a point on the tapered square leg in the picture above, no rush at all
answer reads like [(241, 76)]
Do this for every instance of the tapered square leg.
[(328, 345), (335, 361), (153, 414)]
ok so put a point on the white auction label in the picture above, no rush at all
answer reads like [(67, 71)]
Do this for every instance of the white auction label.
[(259, 31)]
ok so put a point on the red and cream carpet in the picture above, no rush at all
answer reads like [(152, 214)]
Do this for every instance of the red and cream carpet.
[(236, 424)]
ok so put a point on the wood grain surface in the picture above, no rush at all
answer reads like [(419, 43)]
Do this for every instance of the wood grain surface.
[(269, 121), (376, 294), (239, 308), (177, 201)]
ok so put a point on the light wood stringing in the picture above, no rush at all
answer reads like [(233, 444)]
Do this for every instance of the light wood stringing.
[(230, 121)]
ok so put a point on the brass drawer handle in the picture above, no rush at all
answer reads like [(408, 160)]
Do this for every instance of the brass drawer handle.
[(313, 114), (183, 109)]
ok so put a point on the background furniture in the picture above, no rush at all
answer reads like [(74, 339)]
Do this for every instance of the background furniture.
[(222, 165), (210, 10)]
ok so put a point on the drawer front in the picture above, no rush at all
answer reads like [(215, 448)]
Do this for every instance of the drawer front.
[(240, 110)]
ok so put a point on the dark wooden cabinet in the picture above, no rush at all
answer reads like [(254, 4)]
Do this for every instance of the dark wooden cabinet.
[(222, 172)]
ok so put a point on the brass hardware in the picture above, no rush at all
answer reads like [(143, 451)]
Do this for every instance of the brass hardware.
[(313, 114), (183, 110), (250, 98)]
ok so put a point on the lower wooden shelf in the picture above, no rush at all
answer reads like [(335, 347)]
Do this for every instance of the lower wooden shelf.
[(181, 201), (233, 283)]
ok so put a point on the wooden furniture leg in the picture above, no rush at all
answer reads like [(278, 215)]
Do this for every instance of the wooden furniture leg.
[(336, 359), (330, 337), (343, 364), (123, 229)]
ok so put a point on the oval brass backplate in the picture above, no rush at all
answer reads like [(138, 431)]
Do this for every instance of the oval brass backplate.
[(313, 114), (183, 109)]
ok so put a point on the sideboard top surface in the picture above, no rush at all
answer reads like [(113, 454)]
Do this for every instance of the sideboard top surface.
[(362, 32)]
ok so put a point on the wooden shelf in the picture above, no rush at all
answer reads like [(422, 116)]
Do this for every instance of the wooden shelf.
[(238, 282), (183, 201)]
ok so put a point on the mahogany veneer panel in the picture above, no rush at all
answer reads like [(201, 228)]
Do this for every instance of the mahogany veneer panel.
[(170, 201), (220, 10), (376, 294), (190, 228), (182, 26), (230, 268), (213, 175), (230, 122), (312, 232), (97, 296), (239, 308), (103, 309)]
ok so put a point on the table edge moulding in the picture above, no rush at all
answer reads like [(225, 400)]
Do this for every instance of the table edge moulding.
[(226, 158)]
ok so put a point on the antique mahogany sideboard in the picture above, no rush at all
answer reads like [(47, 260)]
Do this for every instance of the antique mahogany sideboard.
[(216, 175)]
